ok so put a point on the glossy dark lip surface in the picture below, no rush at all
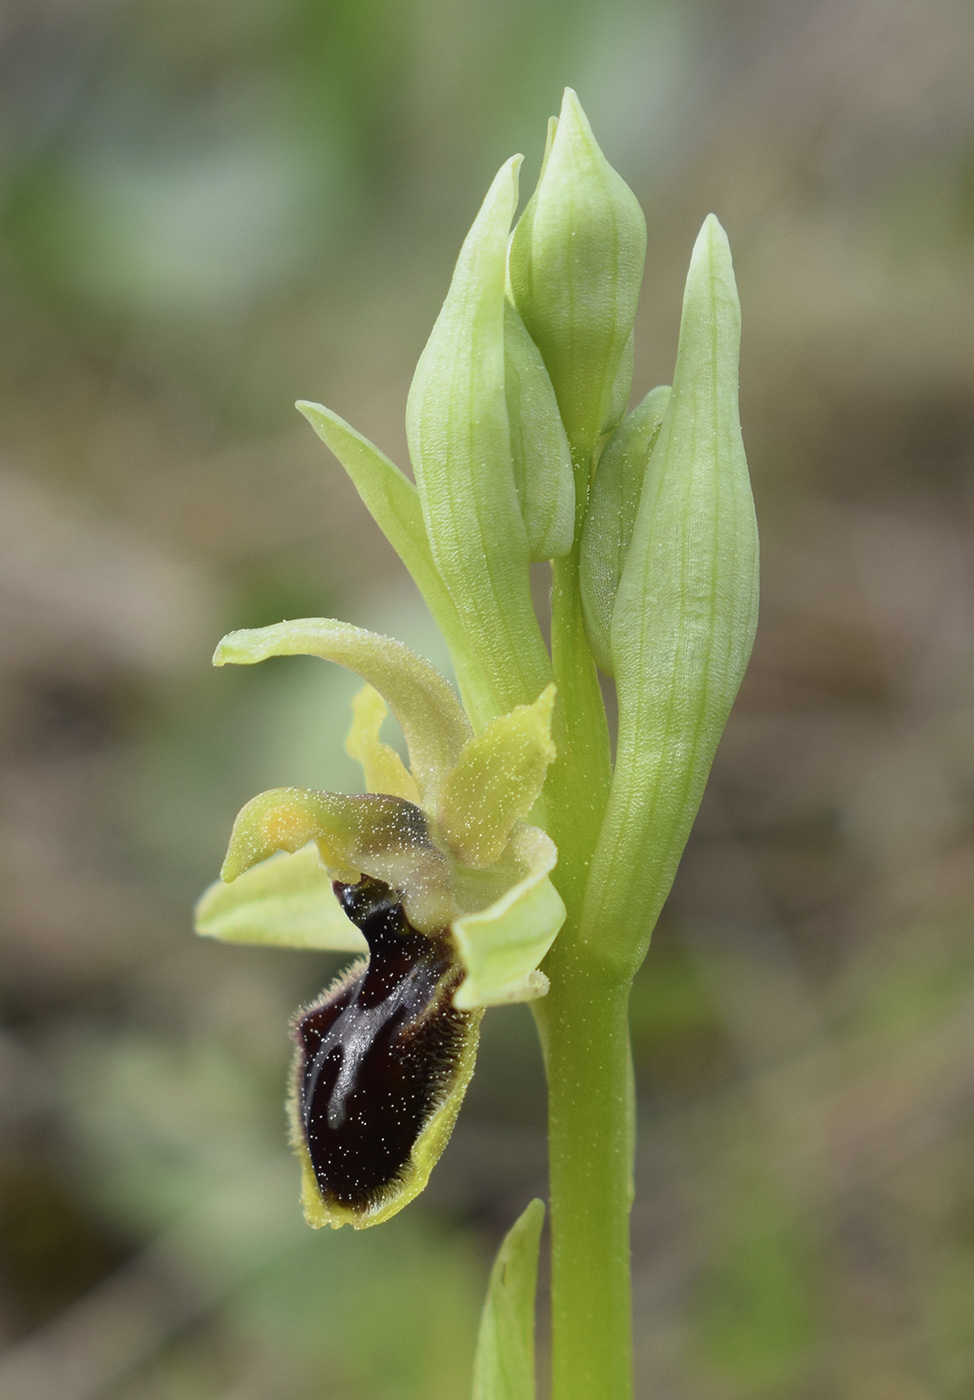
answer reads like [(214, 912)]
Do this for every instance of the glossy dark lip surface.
[(379, 1053)]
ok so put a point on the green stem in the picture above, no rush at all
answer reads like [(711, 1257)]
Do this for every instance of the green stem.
[(583, 1023), (586, 1033)]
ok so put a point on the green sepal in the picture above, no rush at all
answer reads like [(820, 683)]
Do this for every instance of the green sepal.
[(504, 1362), (285, 902), (684, 616), (429, 713), (497, 780), (611, 515), (540, 453), (575, 266), (460, 443), (502, 943)]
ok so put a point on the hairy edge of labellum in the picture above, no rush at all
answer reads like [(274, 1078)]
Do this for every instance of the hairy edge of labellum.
[(383, 1061)]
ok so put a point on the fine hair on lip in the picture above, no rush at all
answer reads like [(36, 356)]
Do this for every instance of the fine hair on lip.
[(378, 1054)]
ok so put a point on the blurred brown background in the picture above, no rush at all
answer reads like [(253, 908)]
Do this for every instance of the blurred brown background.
[(207, 211)]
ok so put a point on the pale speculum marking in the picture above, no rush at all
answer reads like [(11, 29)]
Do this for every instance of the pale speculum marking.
[(379, 1053)]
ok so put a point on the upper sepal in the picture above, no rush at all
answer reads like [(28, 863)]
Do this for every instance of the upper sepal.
[(431, 717)]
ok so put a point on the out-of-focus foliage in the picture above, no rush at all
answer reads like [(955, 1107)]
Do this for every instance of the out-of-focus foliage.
[(207, 211)]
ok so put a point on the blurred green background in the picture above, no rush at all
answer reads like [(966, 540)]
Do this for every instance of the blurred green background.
[(207, 211)]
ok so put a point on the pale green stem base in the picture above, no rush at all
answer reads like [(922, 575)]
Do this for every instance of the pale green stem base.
[(584, 1022), (584, 1027)]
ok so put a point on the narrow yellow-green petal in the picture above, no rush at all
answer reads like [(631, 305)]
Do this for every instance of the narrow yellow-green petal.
[(502, 945), (383, 768), (497, 781), (684, 615), (286, 902), (504, 1363), (372, 834), (424, 703)]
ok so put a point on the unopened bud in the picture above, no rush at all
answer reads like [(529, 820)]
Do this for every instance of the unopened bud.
[(575, 265)]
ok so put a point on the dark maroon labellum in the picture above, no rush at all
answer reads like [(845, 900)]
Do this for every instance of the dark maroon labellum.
[(378, 1054)]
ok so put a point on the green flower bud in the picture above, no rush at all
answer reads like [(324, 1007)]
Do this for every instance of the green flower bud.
[(611, 516), (540, 453), (575, 265)]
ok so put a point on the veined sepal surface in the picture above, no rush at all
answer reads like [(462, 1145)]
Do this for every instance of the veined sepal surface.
[(684, 615)]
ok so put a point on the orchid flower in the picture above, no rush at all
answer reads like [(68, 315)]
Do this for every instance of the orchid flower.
[(434, 872)]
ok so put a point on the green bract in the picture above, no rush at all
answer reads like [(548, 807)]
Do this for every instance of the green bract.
[(611, 516), (459, 433), (684, 615), (504, 1365), (540, 452)]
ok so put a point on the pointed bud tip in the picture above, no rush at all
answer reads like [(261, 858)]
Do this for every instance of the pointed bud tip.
[(570, 104), (511, 168), (711, 271), (573, 124), (711, 242)]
